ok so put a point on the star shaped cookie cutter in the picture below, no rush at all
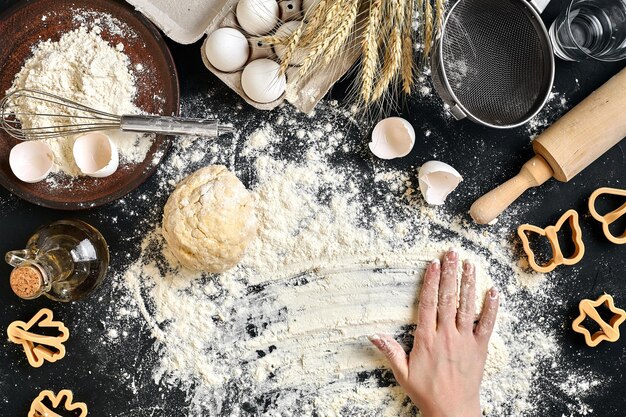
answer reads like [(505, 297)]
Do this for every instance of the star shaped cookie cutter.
[(611, 217), (550, 233), (39, 348), (65, 398), (608, 331)]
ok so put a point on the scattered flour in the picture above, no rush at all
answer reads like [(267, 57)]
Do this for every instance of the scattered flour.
[(84, 68), (555, 107), (285, 332)]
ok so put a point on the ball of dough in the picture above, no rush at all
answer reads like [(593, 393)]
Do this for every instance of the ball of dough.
[(209, 220)]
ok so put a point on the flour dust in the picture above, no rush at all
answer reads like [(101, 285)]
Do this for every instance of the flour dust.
[(342, 247)]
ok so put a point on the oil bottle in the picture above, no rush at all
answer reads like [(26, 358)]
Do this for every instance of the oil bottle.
[(65, 261)]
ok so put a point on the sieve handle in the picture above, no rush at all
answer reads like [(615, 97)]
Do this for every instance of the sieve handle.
[(540, 5)]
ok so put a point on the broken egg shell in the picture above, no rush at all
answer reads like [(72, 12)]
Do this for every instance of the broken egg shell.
[(31, 161), (95, 155), (393, 137), (437, 180)]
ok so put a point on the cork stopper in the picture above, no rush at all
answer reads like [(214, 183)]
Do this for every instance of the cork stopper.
[(26, 281)]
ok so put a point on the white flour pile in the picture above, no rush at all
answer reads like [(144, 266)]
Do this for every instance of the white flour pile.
[(84, 68), (274, 338)]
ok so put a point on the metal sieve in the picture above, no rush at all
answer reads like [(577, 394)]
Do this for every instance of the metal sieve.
[(493, 62)]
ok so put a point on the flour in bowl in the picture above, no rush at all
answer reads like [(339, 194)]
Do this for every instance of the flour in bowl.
[(85, 68)]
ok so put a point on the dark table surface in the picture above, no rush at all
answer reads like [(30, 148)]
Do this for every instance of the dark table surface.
[(501, 155)]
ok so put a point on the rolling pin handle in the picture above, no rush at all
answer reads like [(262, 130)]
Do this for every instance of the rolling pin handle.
[(488, 207)]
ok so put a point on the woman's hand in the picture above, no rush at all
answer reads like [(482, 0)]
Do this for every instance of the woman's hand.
[(443, 371)]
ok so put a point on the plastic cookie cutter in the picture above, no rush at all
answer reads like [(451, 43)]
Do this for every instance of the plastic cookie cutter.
[(551, 233), (608, 331), (611, 217), (65, 399), (39, 348)]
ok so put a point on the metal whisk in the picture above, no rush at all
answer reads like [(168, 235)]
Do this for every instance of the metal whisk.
[(63, 117)]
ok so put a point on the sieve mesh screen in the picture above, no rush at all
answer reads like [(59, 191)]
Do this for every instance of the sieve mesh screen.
[(497, 59)]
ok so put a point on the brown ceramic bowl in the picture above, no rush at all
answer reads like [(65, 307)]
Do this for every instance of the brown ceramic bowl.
[(27, 23)]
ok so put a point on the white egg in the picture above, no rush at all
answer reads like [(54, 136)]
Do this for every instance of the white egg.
[(95, 155), (284, 32), (437, 180), (257, 17), (262, 82), (31, 161), (227, 49), (392, 138)]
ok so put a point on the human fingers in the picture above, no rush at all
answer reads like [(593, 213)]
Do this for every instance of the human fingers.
[(394, 353), (467, 299), (427, 303), (488, 316), (446, 307)]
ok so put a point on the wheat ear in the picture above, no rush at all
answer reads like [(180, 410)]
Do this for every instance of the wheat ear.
[(315, 23), (292, 45), (393, 59), (343, 32), (439, 12), (408, 64), (294, 40), (335, 15), (369, 46), (428, 28), (271, 39), (393, 54)]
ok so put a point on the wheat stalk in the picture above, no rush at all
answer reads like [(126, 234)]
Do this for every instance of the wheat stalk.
[(369, 46), (420, 18)]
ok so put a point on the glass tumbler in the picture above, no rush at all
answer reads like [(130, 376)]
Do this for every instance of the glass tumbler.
[(590, 29)]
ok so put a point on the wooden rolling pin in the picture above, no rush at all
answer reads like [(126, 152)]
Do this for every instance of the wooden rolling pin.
[(567, 147)]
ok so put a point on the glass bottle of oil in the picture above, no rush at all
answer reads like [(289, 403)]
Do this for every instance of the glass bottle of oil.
[(65, 261)]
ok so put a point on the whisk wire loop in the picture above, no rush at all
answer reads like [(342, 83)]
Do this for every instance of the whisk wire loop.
[(66, 117)]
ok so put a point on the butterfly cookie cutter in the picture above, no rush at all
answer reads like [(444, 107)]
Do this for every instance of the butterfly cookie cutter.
[(608, 331), (611, 217), (65, 398), (39, 348), (550, 233)]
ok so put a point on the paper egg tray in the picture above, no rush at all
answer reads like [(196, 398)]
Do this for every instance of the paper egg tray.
[(188, 24)]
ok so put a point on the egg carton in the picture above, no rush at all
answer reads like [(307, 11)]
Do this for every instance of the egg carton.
[(187, 22)]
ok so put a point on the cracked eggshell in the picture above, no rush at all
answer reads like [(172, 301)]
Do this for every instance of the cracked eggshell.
[(393, 137), (95, 155), (31, 161), (437, 180)]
